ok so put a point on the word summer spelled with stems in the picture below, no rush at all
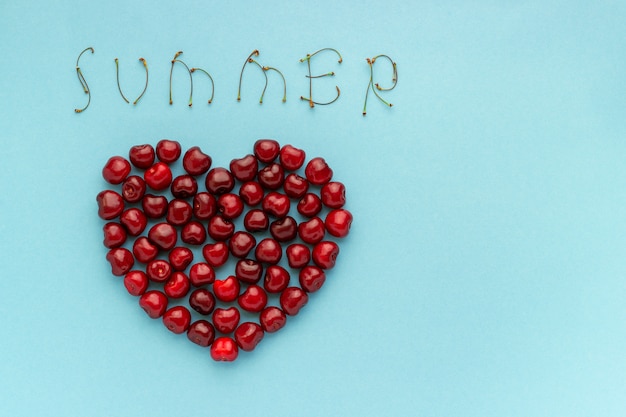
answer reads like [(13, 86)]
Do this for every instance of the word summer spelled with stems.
[(376, 88)]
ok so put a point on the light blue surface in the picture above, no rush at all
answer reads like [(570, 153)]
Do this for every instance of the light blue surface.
[(485, 273)]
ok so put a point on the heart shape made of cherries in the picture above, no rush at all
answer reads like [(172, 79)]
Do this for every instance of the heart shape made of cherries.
[(158, 226)]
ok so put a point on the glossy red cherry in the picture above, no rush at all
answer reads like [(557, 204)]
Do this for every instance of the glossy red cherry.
[(216, 254), (144, 250), (179, 212), (318, 172), (253, 299), (136, 282), (251, 193), (177, 286), (184, 186), (298, 255), (248, 271), (333, 195), (219, 181), (142, 156), (241, 243), (295, 186), (158, 270), (133, 189), (196, 162), (244, 169), (271, 177), (204, 206), (114, 235), (226, 320), (310, 205), (201, 333), (269, 251), (154, 303), (110, 204), (272, 319), (134, 221), (292, 299), (154, 206), (284, 230), (226, 290), (224, 349), (193, 233), (311, 278), (116, 170), (291, 158), (276, 204), (163, 235), (276, 279), (266, 150), (220, 228), (230, 205), (248, 335), (312, 231), (177, 319), (325, 254), (158, 176), (201, 274), (121, 261), (202, 300), (168, 151), (180, 257), (256, 221), (338, 222)]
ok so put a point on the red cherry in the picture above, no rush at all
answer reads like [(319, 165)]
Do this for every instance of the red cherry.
[(318, 172), (219, 181), (241, 244), (116, 170), (121, 261), (158, 270), (216, 254), (298, 255), (141, 156), (244, 169), (154, 303), (154, 206), (177, 286), (144, 250), (114, 235), (248, 335), (204, 206), (180, 258), (195, 162), (177, 319), (220, 228), (168, 151), (253, 299), (291, 158), (292, 299), (184, 186), (295, 186), (312, 278), (256, 221), (202, 300), (272, 176), (312, 231), (310, 205), (269, 251), (163, 235), (136, 282), (134, 221), (201, 332), (276, 204), (272, 319), (226, 320), (226, 290), (248, 271), (201, 274), (193, 233), (110, 204), (158, 176), (325, 254), (266, 150), (276, 279), (133, 189), (338, 222), (178, 212), (230, 205), (251, 193), (333, 194), (284, 230), (224, 349)]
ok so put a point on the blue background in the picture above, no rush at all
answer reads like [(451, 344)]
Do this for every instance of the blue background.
[(485, 271)]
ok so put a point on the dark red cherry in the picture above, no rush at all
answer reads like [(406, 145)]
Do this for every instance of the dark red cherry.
[(266, 150), (180, 258), (204, 206), (224, 349), (253, 299), (193, 233), (276, 279), (338, 222), (177, 319), (142, 156), (110, 204), (184, 186), (325, 254), (134, 221), (121, 261), (226, 290), (276, 204), (219, 181), (154, 206), (272, 319), (220, 228), (251, 193), (154, 303), (310, 205), (178, 212), (133, 189), (177, 286), (216, 254), (226, 320), (230, 205), (244, 169), (241, 243), (271, 177), (292, 299), (312, 231), (248, 335), (168, 151), (163, 235), (256, 221), (295, 186), (333, 195), (144, 250), (158, 176), (196, 162), (201, 332), (318, 172), (116, 170), (136, 282), (268, 251), (291, 158), (284, 230), (201, 274), (158, 270), (298, 255), (248, 271), (311, 278), (202, 300), (114, 235)]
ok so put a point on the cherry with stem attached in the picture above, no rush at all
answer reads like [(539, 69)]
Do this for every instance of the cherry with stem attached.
[(310, 77), (371, 85), (117, 71), (82, 80)]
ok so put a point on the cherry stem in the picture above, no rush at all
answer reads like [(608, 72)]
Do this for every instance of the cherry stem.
[(371, 84), (82, 80), (145, 64), (248, 59), (310, 77), (284, 82), (175, 60), (309, 56), (252, 61), (117, 72), (210, 78)]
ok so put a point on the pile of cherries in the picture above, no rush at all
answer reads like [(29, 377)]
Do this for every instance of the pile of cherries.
[(153, 238)]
